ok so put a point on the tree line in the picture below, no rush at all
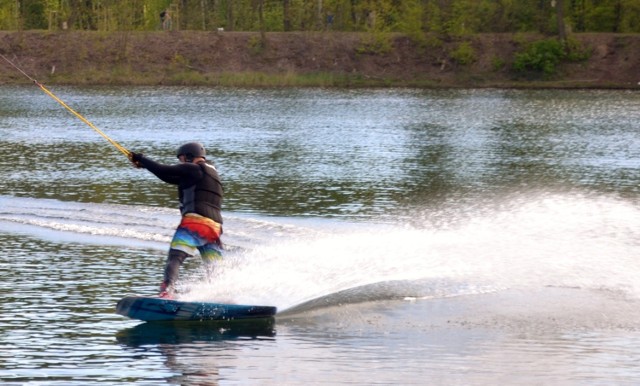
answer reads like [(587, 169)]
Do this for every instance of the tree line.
[(451, 17)]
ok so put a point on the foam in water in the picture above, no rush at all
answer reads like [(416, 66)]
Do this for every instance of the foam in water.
[(530, 242), (566, 241)]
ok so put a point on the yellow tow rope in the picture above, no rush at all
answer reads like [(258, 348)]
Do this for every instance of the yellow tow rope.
[(72, 111)]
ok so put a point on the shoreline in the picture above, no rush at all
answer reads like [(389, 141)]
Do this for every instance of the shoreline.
[(302, 59)]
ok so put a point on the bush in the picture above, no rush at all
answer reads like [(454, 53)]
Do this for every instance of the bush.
[(540, 56), (543, 56), (576, 52), (497, 63), (376, 43), (464, 54)]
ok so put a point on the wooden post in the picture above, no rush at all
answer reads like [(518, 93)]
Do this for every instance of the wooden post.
[(53, 20), (17, 16), (203, 9), (230, 20), (174, 11), (287, 15)]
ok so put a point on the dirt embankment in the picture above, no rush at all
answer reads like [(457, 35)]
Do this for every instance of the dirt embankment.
[(298, 59)]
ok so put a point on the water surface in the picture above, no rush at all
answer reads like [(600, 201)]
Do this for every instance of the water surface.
[(406, 236)]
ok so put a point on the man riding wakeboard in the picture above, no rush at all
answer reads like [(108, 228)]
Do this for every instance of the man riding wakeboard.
[(200, 192)]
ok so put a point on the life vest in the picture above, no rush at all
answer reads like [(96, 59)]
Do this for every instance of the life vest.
[(205, 196)]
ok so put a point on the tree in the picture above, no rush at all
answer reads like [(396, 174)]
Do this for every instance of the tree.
[(33, 15), (81, 15), (455, 17), (562, 34), (286, 10)]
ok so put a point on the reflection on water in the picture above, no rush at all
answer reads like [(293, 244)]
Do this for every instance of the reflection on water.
[(452, 236), (152, 333)]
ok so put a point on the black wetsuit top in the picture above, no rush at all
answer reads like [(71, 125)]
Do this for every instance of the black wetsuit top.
[(199, 186)]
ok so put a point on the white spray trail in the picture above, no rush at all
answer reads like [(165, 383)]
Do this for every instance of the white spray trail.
[(573, 241)]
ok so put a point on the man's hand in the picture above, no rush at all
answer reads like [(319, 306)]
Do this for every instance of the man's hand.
[(135, 159)]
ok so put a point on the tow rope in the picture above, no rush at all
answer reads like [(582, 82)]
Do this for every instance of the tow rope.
[(72, 111)]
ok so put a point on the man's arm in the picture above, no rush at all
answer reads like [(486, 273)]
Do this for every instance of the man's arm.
[(172, 174)]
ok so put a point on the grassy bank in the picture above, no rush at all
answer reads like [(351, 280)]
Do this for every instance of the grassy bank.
[(238, 59)]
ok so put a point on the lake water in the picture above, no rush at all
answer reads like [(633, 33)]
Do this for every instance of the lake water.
[(406, 236)]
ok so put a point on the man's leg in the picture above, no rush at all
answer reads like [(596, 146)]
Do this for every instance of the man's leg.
[(210, 254), (171, 271)]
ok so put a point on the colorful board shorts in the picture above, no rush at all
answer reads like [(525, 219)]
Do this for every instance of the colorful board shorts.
[(198, 233)]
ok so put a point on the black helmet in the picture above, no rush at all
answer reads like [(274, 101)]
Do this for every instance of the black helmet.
[(191, 150)]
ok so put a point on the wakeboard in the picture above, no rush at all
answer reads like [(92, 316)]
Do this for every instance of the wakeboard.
[(158, 309)]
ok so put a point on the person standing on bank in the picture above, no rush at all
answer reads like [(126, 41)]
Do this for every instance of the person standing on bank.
[(200, 192)]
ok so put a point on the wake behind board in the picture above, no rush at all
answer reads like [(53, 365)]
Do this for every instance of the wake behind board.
[(157, 309)]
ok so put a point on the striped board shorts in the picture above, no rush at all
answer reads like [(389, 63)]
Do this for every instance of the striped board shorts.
[(198, 233)]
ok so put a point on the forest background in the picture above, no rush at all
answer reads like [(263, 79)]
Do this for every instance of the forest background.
[(421, 43)]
